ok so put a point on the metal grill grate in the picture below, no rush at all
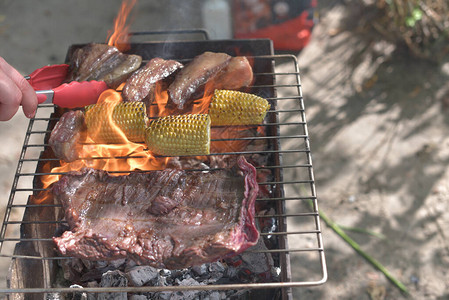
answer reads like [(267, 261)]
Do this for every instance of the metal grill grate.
[(300, 247)]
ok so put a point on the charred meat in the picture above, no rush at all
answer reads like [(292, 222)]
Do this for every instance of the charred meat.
[(167, 219), (194, 75), (142, 83), (66, 135), (104, 63)]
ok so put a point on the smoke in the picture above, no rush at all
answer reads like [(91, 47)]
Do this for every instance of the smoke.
[(163, 16)]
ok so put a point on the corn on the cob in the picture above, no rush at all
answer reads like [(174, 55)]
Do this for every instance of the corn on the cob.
[(237, 108), (179, 135), (129, 117)]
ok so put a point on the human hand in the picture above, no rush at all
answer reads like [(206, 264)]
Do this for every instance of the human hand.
[(15, 91)]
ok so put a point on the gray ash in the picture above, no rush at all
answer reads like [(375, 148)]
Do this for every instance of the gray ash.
[(247, 267)]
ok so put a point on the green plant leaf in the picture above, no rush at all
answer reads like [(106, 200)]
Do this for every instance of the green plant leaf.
[(417, 14), (338, 230), (410, 21)]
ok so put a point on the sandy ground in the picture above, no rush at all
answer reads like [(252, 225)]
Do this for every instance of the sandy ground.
[(378, 124), (379, 133)]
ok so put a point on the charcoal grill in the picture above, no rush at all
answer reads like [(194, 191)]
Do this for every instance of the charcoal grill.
[(27, 229)]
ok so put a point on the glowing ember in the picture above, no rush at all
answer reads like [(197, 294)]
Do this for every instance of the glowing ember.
[(119, 36)]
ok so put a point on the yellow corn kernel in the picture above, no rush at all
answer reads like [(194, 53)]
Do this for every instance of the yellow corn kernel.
[(237, 108), (107, 122), (179, 135)]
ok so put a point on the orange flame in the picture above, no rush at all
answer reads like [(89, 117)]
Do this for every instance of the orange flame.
[(116, 158), (120, 159), (161, 107), (161, 99), (201, 106), (119, 36)]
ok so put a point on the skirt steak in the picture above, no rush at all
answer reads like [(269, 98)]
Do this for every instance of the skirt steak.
[(167, 219)]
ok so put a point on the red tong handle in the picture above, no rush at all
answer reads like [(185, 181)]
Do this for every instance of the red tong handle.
[(78, 94)]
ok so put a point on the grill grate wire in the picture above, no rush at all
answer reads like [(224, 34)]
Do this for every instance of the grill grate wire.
[(295, 162)]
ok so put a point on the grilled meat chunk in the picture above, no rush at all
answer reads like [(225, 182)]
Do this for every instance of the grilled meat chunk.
[(66, 135), (104, 63), (237, 74), (142, 83), (167, 219), (121, 73), (195, 75)]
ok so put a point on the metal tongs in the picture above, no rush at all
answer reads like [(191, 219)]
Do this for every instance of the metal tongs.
[(49, 87)]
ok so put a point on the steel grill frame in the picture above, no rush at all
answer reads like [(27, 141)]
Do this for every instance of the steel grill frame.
[(288, 105)]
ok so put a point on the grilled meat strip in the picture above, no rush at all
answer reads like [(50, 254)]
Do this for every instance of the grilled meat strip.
[(195, 75), (167, 219), (102, 62), (66, 135), (142, 83)]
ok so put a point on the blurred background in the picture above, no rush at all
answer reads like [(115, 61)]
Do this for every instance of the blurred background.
[(375, 77)]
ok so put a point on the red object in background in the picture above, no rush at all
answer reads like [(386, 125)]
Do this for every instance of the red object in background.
[(288, 23)]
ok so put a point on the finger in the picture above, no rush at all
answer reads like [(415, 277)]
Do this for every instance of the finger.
[(28, 98), (10, 97)]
